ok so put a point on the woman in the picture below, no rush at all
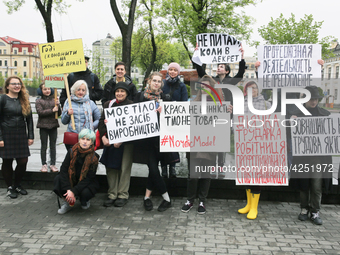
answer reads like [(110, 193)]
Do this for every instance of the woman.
[(77, 176), (16, 118), (147, 150), (253, 193), (117, 157), (199, 185), (47, 123), (173, 90), (85, 111), (120, 76)]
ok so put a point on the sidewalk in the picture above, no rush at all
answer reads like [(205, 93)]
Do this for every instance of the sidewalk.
[(30, 225)]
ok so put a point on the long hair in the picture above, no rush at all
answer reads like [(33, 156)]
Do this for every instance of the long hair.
[(212, 83), (23, 95), (155, 74)]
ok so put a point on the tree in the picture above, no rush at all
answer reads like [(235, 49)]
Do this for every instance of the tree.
[(98, 66), (126, 30), (45, 9), (290, 31), (186, 19)]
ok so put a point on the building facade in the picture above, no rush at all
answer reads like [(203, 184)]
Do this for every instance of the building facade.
[(20, 58)]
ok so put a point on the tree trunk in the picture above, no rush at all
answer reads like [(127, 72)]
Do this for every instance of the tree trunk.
[(47, 16)]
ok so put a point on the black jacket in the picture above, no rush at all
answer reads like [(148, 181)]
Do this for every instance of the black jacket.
[(89, 182), (109, 87), (227, 79), (11, 116), (93, 84)]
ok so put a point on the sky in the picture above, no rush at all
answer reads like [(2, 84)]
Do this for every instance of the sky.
[(93, 20)]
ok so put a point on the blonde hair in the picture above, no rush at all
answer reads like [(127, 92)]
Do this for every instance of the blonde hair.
[(23, 95), (155, 74), (76, 86)]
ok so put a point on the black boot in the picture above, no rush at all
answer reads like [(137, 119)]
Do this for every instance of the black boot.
[(165, 171), (172, 172)]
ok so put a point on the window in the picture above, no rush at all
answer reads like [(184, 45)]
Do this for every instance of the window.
[(5, 62), (25, 52), (335, 94), (0, 62), (329, 73), (15, 73), (252, 75), (25, 74), (247, 76), (0, 51), (15, 51), (15, 63), (337, 72), (25, 63), (5, 51), (33, 64), (5, 73)]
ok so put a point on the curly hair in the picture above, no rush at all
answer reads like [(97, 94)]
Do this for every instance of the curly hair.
[(23, 95)]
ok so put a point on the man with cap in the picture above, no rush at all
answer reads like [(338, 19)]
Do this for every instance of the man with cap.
[(310, 181), (92, 80)]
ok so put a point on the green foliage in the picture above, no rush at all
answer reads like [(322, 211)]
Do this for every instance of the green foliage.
[(290, 31), (97, 66), (189, 90), (186, 19), (2, 81), (241, 88)]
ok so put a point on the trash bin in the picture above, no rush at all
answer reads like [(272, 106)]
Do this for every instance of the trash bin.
[(332, 104)]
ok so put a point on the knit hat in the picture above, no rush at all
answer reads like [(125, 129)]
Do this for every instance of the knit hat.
[(87, 58), (176, 66), (122, 85)]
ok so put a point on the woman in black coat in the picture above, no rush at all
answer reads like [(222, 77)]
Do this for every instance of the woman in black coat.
[(77, 178)]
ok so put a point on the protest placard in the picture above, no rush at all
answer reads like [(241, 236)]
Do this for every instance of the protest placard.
[(216, 48), (54, 81), (260, 150), (184, 128), (131, 122), (313, 136), (62, 57), (289, 65)]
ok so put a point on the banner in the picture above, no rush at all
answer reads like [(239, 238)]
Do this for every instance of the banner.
[(289, 65), (54, 81), (185, 129), (260, 150), (62, 57), (316, 136), (131, 122), (216, 48)]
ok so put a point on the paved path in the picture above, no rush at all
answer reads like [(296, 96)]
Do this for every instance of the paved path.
[(30, 224)]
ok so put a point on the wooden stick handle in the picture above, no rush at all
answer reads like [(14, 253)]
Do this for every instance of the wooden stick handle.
[(69, 100)]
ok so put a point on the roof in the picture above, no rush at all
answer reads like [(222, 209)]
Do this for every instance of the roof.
[(10, 40)]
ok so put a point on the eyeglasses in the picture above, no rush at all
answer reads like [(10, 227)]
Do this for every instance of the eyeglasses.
[(156, 81), (15, 84)]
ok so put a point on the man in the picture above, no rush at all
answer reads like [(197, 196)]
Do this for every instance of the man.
[(308, 180), (120, 76), (93, 83)]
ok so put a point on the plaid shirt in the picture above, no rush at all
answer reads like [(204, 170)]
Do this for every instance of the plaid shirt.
[(258, 102)]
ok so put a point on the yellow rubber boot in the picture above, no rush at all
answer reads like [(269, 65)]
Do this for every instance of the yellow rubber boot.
[(246, 209), (253, 207)]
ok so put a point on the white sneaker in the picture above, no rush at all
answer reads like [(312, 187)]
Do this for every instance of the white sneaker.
[(87, 206), (44, 169), (54, 169), (64, 208)]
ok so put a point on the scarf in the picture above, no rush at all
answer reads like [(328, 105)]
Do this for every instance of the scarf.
[(171, 80), (148, 94), (86, 105), (90, 159)]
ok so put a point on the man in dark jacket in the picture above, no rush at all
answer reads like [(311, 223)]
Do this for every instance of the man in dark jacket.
[(120, 75), (307, 179), (92, 80)]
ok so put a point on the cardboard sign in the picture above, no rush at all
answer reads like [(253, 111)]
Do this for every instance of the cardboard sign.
[(216, 48), (62, 57), (289, 65), (313, 136), (131, 122), (54, 81), (260, 150), (184, 127)]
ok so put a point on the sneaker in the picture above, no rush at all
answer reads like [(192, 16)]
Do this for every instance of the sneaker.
[(164, 206), (21, 190), (148, 204), (12, 193), (120, 202), (201, 208), (315, 218), (54, 169), (64, 208), (87, 206), (303, 216), (187, 206), (44, 169)]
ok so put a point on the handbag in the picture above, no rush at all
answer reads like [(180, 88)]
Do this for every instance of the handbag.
[(98, 143), (70, 138)]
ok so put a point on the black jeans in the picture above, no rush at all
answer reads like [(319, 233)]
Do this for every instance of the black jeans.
[(155, 181), (44, 135)]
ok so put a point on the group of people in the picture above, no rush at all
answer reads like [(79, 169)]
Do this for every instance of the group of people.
[(77, 177)]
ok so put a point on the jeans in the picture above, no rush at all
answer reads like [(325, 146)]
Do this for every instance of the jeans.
[(52, 134)]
